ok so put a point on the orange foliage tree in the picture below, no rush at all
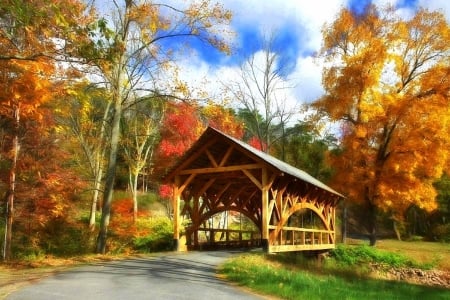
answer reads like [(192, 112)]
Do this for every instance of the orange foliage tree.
[(33, 35), (387, 80), (223, 119)]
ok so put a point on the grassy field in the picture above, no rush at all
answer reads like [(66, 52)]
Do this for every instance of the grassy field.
[(289, 277), (422, 252)]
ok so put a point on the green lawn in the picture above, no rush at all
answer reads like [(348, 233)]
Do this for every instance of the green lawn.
[(422, 252), (292, 278)]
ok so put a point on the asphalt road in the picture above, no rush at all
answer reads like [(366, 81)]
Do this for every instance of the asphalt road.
[(189, 275)]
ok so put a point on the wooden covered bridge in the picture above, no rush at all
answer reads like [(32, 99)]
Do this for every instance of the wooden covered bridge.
[(291, 210)]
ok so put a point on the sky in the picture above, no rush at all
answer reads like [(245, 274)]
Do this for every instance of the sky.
[(298, 25)]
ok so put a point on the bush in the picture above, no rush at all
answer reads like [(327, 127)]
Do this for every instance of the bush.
[(160, 237), (358, 255), (61, 237), (441, 233)]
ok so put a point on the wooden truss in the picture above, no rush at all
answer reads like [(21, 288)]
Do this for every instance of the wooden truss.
[(220, 174)]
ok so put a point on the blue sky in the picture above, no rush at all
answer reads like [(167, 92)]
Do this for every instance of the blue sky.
[(298, 25)]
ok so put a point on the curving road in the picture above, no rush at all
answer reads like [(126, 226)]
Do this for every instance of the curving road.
[(190, 275)]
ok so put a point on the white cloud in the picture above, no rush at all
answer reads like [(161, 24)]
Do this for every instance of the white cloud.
[(307, 18), (443, 5), (308, 76)]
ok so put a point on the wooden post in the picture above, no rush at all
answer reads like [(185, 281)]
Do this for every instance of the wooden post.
[(176, 213), (196, 219), (265, 211)]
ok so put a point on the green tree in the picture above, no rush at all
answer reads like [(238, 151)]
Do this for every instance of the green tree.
[(308, 151), (84, 113)]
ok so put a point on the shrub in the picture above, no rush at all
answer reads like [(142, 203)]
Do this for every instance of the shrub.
[(65, 238), (441, 233), (358, 255), (160, 237)]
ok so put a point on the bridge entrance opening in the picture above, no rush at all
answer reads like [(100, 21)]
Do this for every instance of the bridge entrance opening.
[(225, 230)]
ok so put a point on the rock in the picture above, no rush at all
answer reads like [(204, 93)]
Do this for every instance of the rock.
[(413, 275)]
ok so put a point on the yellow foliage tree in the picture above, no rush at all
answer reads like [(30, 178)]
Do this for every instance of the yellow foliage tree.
[(387, 82)]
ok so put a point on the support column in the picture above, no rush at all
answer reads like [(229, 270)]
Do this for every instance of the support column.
[(265, 210), (196, 219), (176, 213)]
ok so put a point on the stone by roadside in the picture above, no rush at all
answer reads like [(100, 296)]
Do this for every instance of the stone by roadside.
[(432, 277)]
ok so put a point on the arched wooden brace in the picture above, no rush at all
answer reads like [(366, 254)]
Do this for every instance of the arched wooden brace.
[(327, 220), (246, 213), (301, 238), (194, 228)]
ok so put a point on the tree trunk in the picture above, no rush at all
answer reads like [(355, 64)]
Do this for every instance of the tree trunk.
[(397, 231), (133, 187), (100, 153), (12, 187), (97, 184), (372, 224), (344, 225), (110, 174)]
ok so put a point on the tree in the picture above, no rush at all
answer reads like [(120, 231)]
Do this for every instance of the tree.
[(84, 113), (308, 150), (28, 49), (181, 128), (184, 123), (133, 50), (222, 118), (47, 29), (386, 81), (141, 126), (259, 90)]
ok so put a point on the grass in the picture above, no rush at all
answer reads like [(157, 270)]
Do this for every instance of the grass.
[(345, 276), (421, 252)]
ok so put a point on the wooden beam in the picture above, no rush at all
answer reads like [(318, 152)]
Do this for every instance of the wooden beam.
[(190, 159), (302, 229), (186, 182), (307, 247), (246, 201), (176, 213), (234, 197), (220, 169), (223, 190), (211, 158), (226, 156), (265, 187), (206, 186), (253, 179)]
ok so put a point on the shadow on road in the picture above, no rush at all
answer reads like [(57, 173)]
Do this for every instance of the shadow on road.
[(190, 275)]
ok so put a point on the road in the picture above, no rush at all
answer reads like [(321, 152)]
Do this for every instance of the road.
[(190, 275)]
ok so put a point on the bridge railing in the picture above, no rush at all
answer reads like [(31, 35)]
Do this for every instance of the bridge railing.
[(295, 239), (233, 238)]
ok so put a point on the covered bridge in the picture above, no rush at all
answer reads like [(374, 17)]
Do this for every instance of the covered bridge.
[(220, 173)]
